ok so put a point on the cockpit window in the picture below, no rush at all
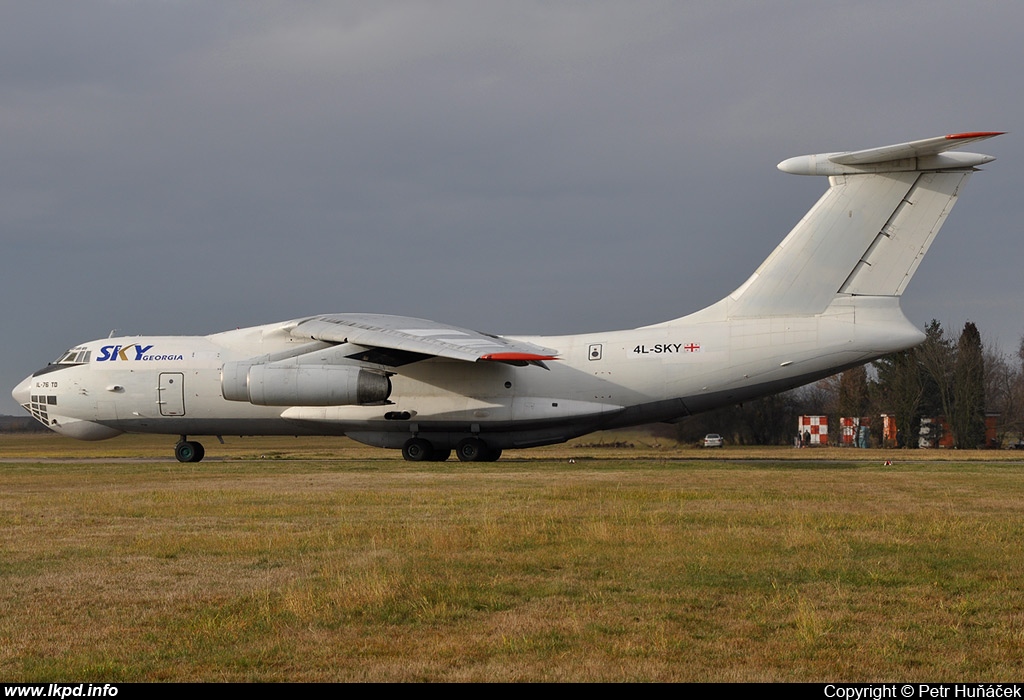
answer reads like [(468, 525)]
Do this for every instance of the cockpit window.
[(74, 356)]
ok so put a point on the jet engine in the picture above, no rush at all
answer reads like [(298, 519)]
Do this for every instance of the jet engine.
[(303, 385)]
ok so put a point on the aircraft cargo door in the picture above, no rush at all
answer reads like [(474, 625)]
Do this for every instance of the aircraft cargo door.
[(171, 394)]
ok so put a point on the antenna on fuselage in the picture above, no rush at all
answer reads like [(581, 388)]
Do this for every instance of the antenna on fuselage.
[(112, 331)]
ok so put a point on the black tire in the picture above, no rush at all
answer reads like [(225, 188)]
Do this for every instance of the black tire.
[(189, 451), (472, 450), (441, 455), (417, 450), (184, 451), (493, 454)]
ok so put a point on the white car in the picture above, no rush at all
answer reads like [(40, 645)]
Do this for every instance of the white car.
[(713, 440)]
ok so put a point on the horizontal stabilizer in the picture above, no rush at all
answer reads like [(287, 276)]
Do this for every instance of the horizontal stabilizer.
[(922, 155)]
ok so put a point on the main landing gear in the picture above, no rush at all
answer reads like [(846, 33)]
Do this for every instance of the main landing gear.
[(420, 450), (189, 451), (469, 450), (476, 450)]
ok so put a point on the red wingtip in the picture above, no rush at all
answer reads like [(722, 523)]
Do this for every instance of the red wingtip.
[(517, 357), (974, 134)]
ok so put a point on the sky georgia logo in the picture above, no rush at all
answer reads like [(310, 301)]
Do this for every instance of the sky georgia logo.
[(132, 353)]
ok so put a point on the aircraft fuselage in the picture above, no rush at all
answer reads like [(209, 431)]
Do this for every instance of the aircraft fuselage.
[(175, 384)]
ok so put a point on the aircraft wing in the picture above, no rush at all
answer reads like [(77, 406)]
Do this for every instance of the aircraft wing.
[(395, 340)]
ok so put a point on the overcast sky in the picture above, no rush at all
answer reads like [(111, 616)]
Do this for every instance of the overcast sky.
[(515, 167)]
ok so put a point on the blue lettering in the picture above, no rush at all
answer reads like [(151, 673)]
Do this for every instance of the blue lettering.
[(140, 350), (105, 353)]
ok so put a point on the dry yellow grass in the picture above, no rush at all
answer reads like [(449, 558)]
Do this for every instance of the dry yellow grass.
[(320, 560)]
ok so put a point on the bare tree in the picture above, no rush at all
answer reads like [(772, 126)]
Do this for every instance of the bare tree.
[(853, 392), (937, 356), (1004, 394)]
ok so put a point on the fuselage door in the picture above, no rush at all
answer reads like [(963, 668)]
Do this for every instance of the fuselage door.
[(171, 394)]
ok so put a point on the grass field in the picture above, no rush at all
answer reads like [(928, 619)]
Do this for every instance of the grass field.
[(319, 560)]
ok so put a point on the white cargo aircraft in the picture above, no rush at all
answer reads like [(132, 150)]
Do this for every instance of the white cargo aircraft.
[(826, 299)]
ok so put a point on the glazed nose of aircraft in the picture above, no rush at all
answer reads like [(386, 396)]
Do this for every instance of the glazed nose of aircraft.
[(23, 391)]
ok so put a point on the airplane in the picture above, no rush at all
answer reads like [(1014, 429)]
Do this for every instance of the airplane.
[(825, 300)]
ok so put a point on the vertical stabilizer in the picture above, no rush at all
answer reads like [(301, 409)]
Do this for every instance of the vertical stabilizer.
[(867, 234)]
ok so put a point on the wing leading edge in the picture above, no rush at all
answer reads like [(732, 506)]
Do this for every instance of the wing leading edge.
[(417, 336)]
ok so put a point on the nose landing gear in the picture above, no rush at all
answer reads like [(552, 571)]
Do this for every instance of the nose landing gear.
[(188, 450)]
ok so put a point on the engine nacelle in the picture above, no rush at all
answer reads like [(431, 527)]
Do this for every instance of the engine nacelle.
[(303, 385)]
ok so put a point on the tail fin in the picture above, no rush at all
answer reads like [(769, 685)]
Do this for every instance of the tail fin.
[(867, 234)]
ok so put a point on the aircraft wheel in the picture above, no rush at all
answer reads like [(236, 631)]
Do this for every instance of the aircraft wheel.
[(417, 450), (440, 455), (471, 450), (493, 453), (189, 451)]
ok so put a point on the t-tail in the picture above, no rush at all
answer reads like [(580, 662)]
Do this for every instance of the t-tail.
[(828, 297), (867, 234)]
